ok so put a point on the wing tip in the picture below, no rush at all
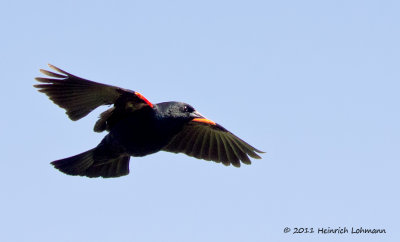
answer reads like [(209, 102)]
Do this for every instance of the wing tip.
[(58, 69), (259, 151), (51, 66), (237, 165)]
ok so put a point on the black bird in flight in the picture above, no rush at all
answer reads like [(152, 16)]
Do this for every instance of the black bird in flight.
[(137, 127)]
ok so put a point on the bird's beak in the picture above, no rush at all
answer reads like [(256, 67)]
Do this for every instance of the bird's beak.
[(196, 114), (197, 117)]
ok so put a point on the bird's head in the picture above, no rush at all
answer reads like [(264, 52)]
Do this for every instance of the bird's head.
[(181, 111)]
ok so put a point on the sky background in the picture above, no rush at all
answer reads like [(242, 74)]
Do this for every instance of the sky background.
[(315, 84)]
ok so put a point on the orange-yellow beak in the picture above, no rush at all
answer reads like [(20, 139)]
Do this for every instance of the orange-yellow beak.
[(201, 119)]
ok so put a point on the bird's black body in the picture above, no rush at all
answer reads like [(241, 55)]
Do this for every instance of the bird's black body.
[(137, 128), (144, 131)]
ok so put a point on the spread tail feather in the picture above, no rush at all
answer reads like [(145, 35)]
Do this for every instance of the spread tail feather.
[(84, 165)]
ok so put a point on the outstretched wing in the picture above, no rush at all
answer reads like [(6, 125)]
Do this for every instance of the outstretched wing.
[(204, 139), (79, 96)]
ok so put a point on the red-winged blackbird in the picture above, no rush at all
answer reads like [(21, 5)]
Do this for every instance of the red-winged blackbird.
[(137, 128)]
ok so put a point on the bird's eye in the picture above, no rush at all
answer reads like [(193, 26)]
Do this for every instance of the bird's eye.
[(187, 109)]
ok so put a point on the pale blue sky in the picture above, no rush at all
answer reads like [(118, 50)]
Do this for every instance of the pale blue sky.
[(315, 84)]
